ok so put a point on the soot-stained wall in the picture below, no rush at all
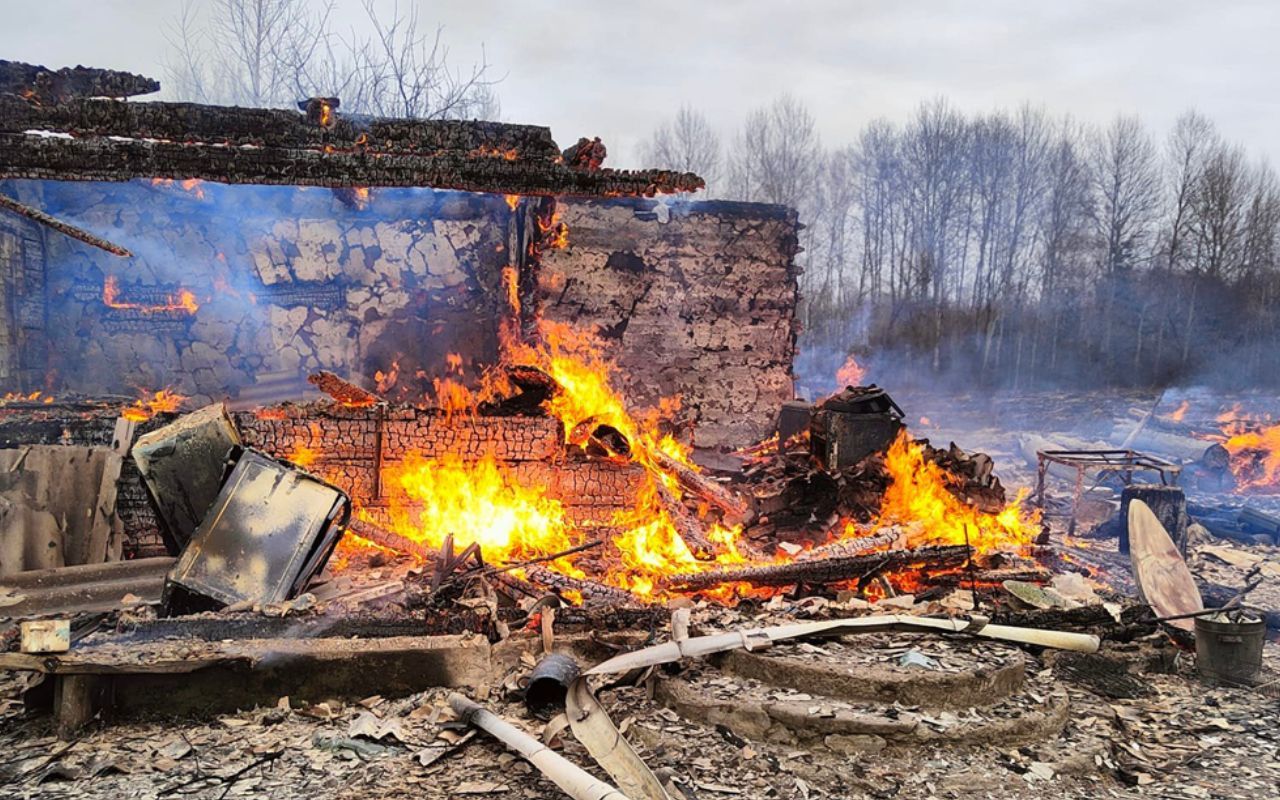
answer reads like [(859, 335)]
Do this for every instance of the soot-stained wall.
[(240, 291)]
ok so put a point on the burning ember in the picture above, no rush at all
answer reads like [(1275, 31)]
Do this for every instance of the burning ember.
[(182, 300), (33, 397), (850, 374), (1254, 445), (191, 186), (147, 406)]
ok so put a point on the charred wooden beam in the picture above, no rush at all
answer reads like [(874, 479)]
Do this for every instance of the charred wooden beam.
[(686, 524), (65, 228), (391, 540), (193, 123), (826, 570), (736, 510), (591, 592), (36, 157), (342, 390), (51, 86), (852, 546)]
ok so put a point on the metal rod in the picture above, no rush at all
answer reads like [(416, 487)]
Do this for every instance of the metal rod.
[(67, 229)]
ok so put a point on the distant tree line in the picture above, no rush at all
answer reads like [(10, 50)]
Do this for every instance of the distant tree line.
[(1015, 248)]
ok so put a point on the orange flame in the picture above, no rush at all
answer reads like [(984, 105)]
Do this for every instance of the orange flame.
[(147, 406), (918, 499), (476, 501), (192, 186), (1181, 411), (513, 200), (181, 300), (850, 373), (302, 455), (1255, 454)]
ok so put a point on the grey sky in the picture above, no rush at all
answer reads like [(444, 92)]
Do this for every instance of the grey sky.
[(614, 69)]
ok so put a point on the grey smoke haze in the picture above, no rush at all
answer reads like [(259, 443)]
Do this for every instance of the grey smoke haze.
[(614, 69)]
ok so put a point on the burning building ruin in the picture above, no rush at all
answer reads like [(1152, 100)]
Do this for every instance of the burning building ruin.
[(254, 359)]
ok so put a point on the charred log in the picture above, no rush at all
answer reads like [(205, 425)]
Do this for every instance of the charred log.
[(101, 159), (586, 154), (590, 592), (827, 570), (391, 540), (45, 85), (686, 524), (736, 510), (342, 390), (851, 547), (193, 123)]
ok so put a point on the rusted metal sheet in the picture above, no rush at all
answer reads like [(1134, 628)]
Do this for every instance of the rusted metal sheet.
[(90, 587), (56, 502), (270, 529), (182, 466)]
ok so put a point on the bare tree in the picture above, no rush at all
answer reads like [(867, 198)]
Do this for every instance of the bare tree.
[(406, 71), (276, 52), (1192, 137), (776, 156), (1127, 187), (1220, 208), (687, 143)]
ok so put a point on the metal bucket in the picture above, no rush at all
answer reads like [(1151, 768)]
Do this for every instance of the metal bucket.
[(1229, 652)]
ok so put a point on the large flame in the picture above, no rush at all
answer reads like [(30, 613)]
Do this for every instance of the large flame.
[(918, 499), (484, 502), (476, 501), (1254, 445)]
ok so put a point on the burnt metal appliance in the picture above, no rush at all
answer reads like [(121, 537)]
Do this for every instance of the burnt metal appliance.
[(271, 528), (852, 424), (182, 466)]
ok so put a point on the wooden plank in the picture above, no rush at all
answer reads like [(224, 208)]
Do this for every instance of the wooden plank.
[(74, 698), (64, 481), (105, 509), (1164, 582), (187, 656)]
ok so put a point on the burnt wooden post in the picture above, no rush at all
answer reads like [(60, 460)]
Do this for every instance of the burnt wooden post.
[(1170, 507), (75, 703)]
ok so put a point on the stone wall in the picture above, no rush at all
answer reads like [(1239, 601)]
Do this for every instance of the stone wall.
[(287, 281), (22, 296), (695, 299)]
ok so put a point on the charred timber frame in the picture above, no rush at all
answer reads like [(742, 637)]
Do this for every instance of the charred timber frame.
[(117, 141), (832, 569)]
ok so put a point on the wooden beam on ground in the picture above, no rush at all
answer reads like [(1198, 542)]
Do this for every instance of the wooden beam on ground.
[(833, 569)]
